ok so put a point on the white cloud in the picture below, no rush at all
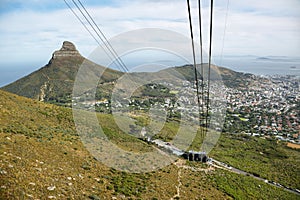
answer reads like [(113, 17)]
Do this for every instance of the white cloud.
[(265, 27), (35, 34), (254, 27)]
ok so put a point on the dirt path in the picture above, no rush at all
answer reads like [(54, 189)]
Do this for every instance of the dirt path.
[(177, 195), (180, 164), (294, 146)]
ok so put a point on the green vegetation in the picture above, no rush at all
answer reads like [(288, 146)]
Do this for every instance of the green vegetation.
[(240, 187), (266, 158), (156, 90)]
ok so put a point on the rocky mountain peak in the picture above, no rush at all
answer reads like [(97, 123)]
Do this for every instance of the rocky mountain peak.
[(68, 46), (68, 49)]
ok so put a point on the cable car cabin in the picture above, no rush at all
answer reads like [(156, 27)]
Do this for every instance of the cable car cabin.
[(195, 156)]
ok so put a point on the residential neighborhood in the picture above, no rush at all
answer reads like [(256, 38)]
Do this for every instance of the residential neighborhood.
[(270, 108), (264, 107)]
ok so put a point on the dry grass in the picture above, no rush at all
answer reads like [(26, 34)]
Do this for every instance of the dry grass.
[(29, 166), (40, 149)]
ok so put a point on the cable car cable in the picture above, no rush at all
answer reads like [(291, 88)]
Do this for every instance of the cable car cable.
[(194, 58)]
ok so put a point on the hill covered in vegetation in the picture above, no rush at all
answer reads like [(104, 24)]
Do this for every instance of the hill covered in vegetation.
[(43, 157), (54, 82)]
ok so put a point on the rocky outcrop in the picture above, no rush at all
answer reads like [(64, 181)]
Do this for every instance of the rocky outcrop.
[(68, 49)]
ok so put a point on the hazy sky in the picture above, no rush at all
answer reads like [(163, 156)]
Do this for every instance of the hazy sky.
[(31, 30)]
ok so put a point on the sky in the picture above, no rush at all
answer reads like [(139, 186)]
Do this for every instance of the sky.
[(32, 30)]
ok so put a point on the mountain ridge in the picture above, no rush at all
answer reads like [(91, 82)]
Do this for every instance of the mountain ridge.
[(54, 82)]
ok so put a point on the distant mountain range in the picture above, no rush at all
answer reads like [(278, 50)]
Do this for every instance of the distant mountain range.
[(54, 82)]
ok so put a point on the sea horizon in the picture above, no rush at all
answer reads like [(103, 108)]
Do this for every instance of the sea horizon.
[(261, 66)]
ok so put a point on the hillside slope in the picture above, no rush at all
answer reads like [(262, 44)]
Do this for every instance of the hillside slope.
[(42, 157)]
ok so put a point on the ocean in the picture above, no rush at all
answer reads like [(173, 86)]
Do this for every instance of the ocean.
[(270, 65)]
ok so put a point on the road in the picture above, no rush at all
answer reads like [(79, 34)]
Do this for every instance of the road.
[(222, 165)]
